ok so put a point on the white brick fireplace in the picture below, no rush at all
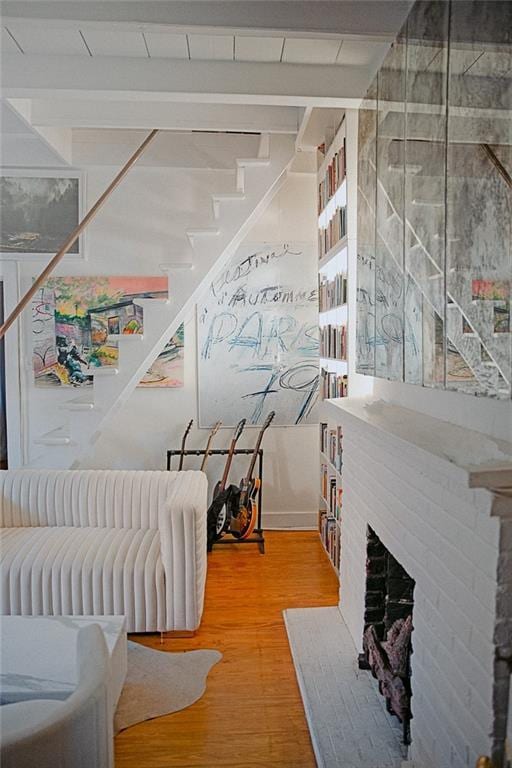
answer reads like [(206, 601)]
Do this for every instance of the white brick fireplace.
[(439, 497)]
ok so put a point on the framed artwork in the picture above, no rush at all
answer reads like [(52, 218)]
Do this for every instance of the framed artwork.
[(73, 317), (258, 337), (168, 370), (40, 209)]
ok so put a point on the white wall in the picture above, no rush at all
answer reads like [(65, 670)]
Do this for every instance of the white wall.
[(142, 226)]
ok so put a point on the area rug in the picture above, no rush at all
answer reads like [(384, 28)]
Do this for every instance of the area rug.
[(160, 682), (347, 719)]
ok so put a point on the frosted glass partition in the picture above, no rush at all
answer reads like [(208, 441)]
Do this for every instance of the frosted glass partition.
[(435, 203)]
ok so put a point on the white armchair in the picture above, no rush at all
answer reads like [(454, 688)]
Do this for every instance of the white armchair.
[(75, 733)]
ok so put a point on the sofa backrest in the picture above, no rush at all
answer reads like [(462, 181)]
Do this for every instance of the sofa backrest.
[(84, 497)]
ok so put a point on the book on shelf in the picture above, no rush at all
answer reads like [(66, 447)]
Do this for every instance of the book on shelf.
[(334, 175), (323, 437), (335, 230), (333, 340), (332, 497), (339, 499), (332, 293), (324, 480), (338, 463), (332, 384)]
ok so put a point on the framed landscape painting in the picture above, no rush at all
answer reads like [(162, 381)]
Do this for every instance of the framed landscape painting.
[(40, 209)]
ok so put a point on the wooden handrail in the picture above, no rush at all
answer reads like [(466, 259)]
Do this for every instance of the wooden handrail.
[(73, 237)]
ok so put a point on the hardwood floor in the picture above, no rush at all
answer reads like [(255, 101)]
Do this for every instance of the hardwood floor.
[(251, 714)]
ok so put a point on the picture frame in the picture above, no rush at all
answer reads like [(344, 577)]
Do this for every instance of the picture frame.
[(19, 235)]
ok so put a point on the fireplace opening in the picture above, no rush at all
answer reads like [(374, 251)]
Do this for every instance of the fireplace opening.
[(389, 601)]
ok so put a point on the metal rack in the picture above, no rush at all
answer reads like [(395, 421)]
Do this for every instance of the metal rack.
[(257, 536)]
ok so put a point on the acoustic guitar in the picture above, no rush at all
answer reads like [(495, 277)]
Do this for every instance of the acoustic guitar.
[(207, 451), (218, 516), (183, 441), (243, 519)]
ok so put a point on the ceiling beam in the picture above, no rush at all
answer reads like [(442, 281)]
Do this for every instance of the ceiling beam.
[(175, 116), (221, 82), (369, 18)]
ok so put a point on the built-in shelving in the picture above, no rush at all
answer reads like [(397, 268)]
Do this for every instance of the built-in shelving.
[(334, 217)]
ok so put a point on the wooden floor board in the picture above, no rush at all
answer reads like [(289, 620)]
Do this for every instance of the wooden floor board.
[(251, 714)]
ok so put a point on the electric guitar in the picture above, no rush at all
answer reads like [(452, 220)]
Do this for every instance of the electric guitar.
[(218, 516), (207, 451), (183, 441), (243, 519)]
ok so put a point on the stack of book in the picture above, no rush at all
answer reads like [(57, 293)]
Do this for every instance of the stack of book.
[(335, 231), (332, 385), (329, 533), (332, 293), (333, 342), (334, 176)]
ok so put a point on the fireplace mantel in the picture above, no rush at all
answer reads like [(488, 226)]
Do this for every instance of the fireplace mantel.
[(486, 461), (439, 497)]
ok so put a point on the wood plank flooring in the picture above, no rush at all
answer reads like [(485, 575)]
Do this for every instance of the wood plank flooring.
[(251, 714)]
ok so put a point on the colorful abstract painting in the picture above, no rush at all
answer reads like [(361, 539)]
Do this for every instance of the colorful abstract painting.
[(168, 368), (73, 318), (38, 213)]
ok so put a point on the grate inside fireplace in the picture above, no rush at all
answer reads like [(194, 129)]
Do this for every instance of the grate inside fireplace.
[(389, 601)]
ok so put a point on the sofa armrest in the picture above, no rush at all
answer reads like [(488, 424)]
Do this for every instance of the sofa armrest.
[(182, 525)]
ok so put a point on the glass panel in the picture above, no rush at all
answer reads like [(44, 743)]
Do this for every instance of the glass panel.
[(366, 181), (389, 305), (3, 420), (425, 148), (479, 199)]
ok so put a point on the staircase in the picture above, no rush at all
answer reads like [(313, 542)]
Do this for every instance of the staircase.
[(80, 420)]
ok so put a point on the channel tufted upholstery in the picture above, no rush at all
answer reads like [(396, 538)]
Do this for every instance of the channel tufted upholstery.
[(104, 542)]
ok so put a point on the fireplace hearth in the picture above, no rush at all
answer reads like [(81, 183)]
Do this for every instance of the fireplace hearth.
[(389, 600)]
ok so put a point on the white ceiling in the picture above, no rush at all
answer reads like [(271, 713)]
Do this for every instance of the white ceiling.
[(28, 39)]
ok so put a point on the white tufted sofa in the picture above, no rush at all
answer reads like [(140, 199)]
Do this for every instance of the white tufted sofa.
[(100, 542)]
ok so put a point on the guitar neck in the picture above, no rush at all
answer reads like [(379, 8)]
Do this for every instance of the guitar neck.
[(207, 452), (228, 465), (253, 458)]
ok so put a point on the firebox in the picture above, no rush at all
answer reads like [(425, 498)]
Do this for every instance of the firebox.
[(387, 647)]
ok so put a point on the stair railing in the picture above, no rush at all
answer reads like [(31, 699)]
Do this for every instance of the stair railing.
[(73, 237)]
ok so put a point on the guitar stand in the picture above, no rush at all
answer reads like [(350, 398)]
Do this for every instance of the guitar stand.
[(257, 536)]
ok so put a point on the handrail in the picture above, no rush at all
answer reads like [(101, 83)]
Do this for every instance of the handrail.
[(73, 237), (497, 164)]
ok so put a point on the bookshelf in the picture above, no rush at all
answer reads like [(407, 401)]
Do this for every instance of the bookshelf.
[(336, 220)]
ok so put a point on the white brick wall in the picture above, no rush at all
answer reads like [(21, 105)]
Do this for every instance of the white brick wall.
[(443, 534)]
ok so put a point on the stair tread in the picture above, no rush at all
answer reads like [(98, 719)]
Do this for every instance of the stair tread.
[(244, 161), (105, 370), (125, 337), (176, 265), (78, 405), (203, 231), (54, 437), (229, 196)]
